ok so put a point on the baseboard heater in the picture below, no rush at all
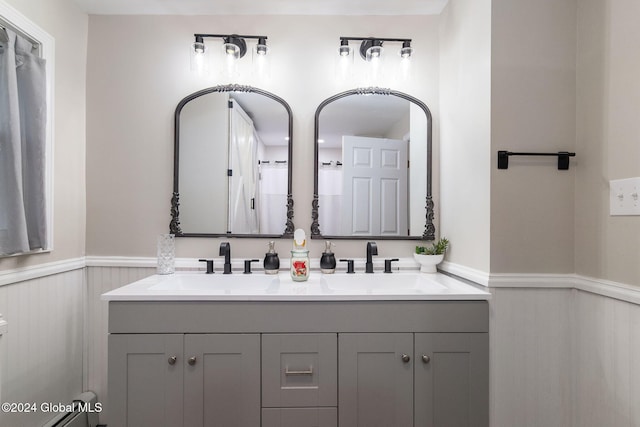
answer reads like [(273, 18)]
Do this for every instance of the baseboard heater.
[(83, 413)]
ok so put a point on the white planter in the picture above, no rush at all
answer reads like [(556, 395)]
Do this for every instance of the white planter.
[(428, 263)]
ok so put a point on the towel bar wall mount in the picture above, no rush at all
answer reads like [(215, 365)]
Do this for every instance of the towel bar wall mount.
[(563, 158)]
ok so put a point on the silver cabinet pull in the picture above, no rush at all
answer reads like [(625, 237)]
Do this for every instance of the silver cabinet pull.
[(406, 358), (425, 358), (192, 360), (288, 372), (172, 360)]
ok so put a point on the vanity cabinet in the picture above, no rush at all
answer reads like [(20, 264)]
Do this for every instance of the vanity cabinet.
[(184, 380), (421, 380), (299, 363)]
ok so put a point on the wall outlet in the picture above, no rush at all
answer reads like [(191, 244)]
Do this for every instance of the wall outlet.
[(624, 197)]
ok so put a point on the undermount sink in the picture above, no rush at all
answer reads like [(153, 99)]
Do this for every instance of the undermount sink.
[(238, 283), (383, 283)]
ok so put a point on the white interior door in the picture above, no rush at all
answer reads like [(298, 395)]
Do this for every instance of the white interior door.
[(374, 186)]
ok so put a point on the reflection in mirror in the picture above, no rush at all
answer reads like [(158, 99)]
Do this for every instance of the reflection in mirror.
[(373, 167), (232, 169)]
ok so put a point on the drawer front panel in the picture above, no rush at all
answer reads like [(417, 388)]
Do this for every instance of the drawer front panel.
[(300, 417), (299, 370)]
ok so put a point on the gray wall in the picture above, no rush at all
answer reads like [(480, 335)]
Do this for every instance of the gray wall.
[(607, 137), (132, 94)]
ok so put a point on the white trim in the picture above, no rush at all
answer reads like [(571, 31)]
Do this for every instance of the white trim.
[(8, 277), (606, 288), (510, 280), (620, 291), (120, 261), (476, 276), (47, 45)]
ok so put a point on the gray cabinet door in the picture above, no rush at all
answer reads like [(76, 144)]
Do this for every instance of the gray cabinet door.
[(452, 380), (375, 383), (222, 383), (300, 417), (145, 382), (299, 370)]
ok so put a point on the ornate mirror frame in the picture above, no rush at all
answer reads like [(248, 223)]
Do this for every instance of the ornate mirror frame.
[(174, 225), (429, 229)]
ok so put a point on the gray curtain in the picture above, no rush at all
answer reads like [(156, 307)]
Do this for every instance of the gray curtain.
[(23, 225)]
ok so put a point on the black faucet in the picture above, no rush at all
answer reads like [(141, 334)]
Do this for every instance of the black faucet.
[(225, 249), (372, 249)]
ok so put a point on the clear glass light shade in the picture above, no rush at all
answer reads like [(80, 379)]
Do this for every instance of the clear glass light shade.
[(344, 50), (406, 52), (232, 50), (198, 47), (198, 57), (261, 49), (374, 53)]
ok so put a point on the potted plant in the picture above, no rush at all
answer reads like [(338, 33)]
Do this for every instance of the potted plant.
[(430, 256)]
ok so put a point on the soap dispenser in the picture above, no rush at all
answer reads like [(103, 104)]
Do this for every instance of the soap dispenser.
[(328, 259), (299, 257), (271, 261)]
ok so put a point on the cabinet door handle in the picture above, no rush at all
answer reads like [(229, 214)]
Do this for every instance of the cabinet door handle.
[(192, 360), (406, 358), (172, 360), (288, 372), (425, 358)]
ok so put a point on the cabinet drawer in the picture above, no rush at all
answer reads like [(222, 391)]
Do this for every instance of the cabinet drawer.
[(300, 417), (299, 370)]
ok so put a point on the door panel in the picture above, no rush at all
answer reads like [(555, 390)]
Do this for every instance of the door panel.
[(452, 382), (222, 386), (375, 384), (145, 388), (375, 186)]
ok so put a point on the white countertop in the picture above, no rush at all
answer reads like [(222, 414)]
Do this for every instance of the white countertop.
[(198, 286)]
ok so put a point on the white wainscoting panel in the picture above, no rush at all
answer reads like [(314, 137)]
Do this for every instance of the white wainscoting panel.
[(607, 362), (41, 351), (99, 281), (531, 364)]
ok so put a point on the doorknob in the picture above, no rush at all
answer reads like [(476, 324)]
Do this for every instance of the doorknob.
[(425, 358), (406, 358), (192, 360), (172, 360)]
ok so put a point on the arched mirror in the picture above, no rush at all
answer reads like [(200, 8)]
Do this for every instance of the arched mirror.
[(372, 170), (232, 164)]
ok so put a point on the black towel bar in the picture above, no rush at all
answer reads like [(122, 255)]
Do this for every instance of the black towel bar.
[(563, 158)]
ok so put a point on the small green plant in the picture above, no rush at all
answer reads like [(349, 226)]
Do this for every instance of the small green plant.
[(437, 248)]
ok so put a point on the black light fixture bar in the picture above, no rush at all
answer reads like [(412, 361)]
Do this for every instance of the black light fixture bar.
[(382, 39), (229, 35), (563, 158), (235, 41), (369, 43)]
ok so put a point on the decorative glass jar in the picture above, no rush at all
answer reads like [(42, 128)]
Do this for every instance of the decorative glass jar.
[(299, 265)]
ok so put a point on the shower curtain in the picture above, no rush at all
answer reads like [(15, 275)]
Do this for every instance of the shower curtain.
[(23, 225), (330, 199), (273, 197), (243, 216)]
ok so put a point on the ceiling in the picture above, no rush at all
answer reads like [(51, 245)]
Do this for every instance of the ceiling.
[(265, 7)]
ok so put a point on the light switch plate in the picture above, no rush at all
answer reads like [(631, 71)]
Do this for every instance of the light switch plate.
[(624, 197)]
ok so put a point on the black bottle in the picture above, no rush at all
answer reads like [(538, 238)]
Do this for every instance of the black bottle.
[(271, 261), (328, 259)]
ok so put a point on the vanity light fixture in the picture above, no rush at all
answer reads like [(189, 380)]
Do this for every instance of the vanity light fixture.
[(371, 47), (235, 46)]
